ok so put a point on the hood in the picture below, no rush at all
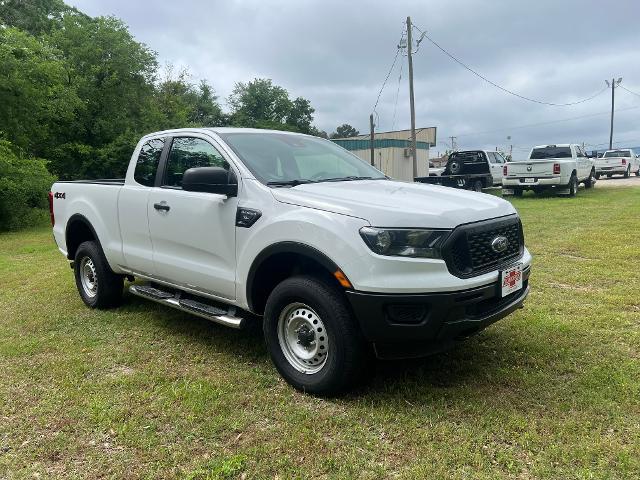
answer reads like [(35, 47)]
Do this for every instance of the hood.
[(387, 203)]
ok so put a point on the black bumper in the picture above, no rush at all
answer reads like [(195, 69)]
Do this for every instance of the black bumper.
[(415, 325)]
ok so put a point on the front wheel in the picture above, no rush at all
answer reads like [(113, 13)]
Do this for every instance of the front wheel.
[(312, 338), (98, 286)]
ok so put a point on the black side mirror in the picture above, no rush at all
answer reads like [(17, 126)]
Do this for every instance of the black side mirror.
[(211, 180)]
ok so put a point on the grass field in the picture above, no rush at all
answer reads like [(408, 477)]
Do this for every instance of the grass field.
[(147, 392)]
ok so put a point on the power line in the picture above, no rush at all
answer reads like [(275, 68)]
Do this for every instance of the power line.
[(539, 124), (395, 106), (393, 64), (506, 90), (630, 91)]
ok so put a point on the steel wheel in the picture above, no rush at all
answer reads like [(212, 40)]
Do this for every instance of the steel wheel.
[(303, 338), (88, 277)]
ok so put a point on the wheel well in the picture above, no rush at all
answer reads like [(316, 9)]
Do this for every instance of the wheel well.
[(78, 230), (278, 266)]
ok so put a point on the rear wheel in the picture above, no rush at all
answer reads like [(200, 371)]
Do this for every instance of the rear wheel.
[(98, 286), (591, 181), (573, 185), (477, 186), (312, 337)]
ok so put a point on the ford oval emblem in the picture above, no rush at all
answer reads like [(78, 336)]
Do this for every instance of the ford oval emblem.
[(499, 244)]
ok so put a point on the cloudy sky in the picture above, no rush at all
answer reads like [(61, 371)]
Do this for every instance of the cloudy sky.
[(337, 54)]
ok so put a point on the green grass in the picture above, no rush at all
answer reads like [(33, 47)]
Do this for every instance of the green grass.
[(148, 392)]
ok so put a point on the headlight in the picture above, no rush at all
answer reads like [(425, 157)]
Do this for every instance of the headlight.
[(405, 243)]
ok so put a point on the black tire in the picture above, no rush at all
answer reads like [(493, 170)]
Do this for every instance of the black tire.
[(455, 167), (108, 286), (590, 182), (347, 353), (609, 175), (638, 172), (597, 176), (476, 185), (517, 192), (573, 185), (627, 174)]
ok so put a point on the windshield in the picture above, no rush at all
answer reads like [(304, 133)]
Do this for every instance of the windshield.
[(550, 152), (617, 153), (286, 159)]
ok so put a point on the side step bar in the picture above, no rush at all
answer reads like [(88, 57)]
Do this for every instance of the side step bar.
[(201, 309)]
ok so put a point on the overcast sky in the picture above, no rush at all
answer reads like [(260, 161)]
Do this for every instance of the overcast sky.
[(337, 54)]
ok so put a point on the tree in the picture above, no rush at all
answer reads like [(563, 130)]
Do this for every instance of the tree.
[(37, 104), (301, 115), (345, 131)]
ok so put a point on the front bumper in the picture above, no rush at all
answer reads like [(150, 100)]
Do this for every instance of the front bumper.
[(415, 325)]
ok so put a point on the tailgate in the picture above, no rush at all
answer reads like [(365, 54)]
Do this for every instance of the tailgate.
[(531, 168), (611, 162)]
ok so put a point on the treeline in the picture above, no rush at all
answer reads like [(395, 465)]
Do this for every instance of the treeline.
[(79, 91)]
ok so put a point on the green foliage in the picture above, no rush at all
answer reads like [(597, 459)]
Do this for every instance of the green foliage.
[(24, 183), (260, 104), (36, 101), (80, 91), (345, 131)]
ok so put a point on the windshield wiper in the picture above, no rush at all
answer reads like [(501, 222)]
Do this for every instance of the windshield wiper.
[(289, 183), (347, 179)]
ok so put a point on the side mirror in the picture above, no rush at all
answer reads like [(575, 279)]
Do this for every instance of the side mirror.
[(211, 180)]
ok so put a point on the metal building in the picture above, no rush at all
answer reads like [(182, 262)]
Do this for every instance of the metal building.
[(392, 151)]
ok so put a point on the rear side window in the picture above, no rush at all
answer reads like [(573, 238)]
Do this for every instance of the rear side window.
[(147, 164), (550, 152), (189, 152)]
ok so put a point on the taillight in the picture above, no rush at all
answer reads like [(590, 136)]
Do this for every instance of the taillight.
[(504, 171), (53, 218), (624, 162), (556, 169)]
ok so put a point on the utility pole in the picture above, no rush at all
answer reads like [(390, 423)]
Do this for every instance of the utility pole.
[(453, 143), (614, 84), (414, 152), (371, 125)]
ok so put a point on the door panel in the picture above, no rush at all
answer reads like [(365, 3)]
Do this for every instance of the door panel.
[(193, 233), (132, 208), (194, 241)]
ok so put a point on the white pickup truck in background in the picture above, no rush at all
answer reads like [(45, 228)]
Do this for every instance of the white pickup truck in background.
[(338, 261), (622, 161), (558, 167)]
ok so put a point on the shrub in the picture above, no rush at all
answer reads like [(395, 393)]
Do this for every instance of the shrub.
[(24, 183)]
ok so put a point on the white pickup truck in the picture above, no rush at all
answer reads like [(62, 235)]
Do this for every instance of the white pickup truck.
[(558, 167), (622, 161), (338, 261)]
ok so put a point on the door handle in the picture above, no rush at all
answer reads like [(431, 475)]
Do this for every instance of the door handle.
[(161, 206)]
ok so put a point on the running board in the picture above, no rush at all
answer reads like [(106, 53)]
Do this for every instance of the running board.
[(201, 309)]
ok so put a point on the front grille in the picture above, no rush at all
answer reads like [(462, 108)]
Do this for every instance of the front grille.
[(468, 251)]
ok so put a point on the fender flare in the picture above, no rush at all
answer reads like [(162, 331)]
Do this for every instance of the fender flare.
[(285, 247), (77, 217)]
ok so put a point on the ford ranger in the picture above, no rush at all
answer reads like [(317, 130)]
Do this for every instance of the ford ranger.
[(557, 167), (338, 262)]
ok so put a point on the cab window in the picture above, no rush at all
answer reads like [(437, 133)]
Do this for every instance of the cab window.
[(190, 152), (147, 164)]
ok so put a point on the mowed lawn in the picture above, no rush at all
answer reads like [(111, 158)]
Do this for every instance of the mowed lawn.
[(148, 392)]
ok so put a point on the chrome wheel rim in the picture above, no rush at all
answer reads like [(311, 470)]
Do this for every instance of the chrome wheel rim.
[(303, 338), (88, 277)]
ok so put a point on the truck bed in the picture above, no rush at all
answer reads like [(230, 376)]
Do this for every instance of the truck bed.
[(457, 181)]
